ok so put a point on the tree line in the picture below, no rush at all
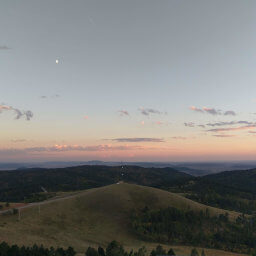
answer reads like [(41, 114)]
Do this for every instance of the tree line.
[(116, 249), (15, 250), (113, 249), (186, 227)]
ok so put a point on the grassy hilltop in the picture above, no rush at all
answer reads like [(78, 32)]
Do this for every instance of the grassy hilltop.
[(94, 217)]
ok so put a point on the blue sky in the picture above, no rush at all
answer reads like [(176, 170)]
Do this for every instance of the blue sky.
[(126, 55)]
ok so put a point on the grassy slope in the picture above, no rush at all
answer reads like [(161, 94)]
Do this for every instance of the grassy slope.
[(96, 216)]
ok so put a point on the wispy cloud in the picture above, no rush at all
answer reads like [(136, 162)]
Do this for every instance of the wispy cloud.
[(54, 96), (179, 138), (138, 140), (19, 113), (229, 113), (67, 148), (149, 111), (18, 140), (189, 124), (213, 111), (161, 123), (4, 47), (247, 127), (223, 135), (123, 113), (230, 123), (196, 109)]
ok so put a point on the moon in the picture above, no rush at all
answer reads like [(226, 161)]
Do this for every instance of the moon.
[(57, 61)]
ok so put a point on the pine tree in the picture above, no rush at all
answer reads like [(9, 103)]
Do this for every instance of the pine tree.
[(171, 252), (194, 252), (91, 252), (160, 250), (101, 251)]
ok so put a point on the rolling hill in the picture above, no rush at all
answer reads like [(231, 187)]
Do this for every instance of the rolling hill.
[(243, 180), (233, 190), (20, 185), (94, 217)]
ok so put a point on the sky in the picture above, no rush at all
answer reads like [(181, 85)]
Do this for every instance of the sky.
[(127, 80)]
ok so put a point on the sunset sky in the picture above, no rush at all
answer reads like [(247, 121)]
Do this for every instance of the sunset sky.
[(133, 80)]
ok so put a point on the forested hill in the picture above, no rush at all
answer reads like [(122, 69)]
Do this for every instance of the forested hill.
[(244, 180), (234, 190), (26, 184)]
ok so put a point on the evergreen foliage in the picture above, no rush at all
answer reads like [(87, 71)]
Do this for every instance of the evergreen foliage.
[(186, 227)]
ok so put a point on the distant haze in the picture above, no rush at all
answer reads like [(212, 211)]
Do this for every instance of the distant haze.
[(193, 168)]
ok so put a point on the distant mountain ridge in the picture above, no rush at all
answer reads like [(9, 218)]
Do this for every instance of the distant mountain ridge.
[(192, 168)]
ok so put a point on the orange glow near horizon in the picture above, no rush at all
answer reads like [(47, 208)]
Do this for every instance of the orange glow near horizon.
[(201, 148)]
